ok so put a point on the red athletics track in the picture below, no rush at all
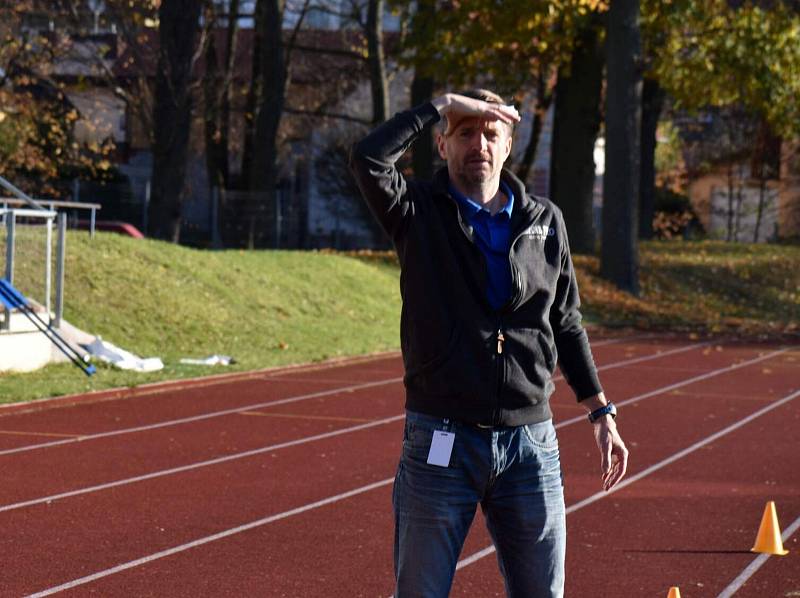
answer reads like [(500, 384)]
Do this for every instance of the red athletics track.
[(139, 494)]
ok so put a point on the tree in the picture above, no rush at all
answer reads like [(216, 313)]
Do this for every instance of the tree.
[(217, 91), (576, 124), (217, 86), (271, 81), (38, 146), (172, 114), (422, 157), (377, 62), (619, 261), (653, 97), (422, 89), (471, 42), (720, 54)]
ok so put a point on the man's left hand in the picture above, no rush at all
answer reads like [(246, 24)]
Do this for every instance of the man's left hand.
[(613, 453)]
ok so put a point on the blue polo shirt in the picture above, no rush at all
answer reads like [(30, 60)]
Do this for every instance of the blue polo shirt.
[(493, 238)]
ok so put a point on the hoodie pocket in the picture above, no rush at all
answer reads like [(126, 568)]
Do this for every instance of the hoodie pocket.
[(547, 351), (415, 370)]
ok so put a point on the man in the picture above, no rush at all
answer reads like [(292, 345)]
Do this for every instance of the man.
[(489, 303)]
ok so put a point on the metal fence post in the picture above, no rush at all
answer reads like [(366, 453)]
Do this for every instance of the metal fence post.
[(11, 227), (61, 221), (48, 267), (216, 242), (10, 230), (278, 194), (146, 206)]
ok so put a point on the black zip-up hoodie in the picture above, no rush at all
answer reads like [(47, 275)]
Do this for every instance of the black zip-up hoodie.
[(463, 359)]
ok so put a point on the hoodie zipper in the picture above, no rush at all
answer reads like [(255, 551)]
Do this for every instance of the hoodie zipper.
[(498, 356)]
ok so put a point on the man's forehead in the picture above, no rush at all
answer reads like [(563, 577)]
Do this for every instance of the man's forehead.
[(474, 122)]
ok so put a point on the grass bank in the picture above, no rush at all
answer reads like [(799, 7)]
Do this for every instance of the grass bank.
[(709, 287), (264, 308), (268, 308)]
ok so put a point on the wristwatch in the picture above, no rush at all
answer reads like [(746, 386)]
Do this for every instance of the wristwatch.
[(608, 409)]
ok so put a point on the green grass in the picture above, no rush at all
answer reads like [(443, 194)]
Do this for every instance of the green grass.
[(268, 308), (264, 308), (745, 290)]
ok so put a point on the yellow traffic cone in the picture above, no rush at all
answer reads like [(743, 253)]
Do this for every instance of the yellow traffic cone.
[(769, 540), (674, 592)]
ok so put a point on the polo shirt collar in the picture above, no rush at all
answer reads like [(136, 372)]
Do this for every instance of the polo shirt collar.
[(472, 208)]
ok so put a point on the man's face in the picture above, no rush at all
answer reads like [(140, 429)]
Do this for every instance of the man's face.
[(475, 150)]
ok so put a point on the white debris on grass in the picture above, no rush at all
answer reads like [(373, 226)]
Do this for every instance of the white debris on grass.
[(124, 360), (210, 360)]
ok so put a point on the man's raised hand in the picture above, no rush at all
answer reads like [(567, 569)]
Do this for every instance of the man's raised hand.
[(455, 107)]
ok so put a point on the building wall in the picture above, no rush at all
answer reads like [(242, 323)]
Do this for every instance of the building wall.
[(790, 190), (780, 217)]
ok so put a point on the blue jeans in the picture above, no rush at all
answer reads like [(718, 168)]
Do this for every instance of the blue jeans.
[(515, 475)]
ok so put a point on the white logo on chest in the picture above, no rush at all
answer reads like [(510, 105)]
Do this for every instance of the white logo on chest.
[(540, 232)]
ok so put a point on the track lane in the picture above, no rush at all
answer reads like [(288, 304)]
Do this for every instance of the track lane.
[(160, 406), (323, 538), (389, 467), (695, 409), (90, 463)]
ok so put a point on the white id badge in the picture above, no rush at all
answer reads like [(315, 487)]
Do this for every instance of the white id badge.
[(441, 448)]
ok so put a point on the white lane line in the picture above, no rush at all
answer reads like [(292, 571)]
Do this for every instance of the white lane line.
[(326, 501), (631, 361), (198, 465), (652, 469), (203, 416), (250, 453), (212, 538), (304, 397), (756, 564), (692, 380), (619, 339)]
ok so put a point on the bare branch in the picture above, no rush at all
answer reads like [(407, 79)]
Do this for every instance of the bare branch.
[(323, 114), (331, 51), (290, 45)]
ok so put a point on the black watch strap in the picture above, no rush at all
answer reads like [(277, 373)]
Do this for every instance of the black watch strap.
[(608, 409)]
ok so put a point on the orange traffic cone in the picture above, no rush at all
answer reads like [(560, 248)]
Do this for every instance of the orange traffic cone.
[(769, 540), (674, 592)]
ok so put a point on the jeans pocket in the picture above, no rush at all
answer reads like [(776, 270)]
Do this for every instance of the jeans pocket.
[(418, 435), (542, 435)]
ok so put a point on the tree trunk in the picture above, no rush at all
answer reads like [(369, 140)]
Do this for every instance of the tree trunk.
[(230, 62), (254, 98), (274, 79), (216, 95), (739, 201), (542, 102), (762, 194), (377, 62), (575, 127), (213, 91), (619, 260), (422, 151), (652, 103), (178, 23), (729, 235)]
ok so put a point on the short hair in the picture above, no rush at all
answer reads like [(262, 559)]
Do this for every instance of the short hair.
[(485, 95)]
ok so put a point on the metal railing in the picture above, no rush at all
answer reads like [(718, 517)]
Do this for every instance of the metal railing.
[(10, 216), (53, 204), (38, 210)]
